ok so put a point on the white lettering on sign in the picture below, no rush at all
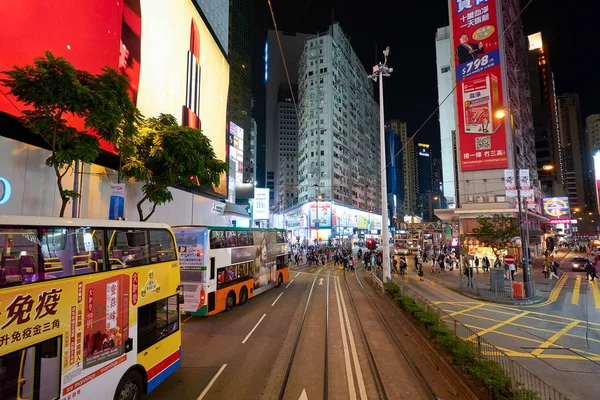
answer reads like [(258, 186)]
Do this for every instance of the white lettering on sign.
[(5, 190)]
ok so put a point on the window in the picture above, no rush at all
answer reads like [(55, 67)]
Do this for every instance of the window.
[(233, 274), (128, 248), (162, 247), (445, 68), (19, 256), (156, 321), (217, 239), (230, 239), (40, 377)]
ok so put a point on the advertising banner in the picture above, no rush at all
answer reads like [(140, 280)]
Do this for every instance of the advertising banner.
[(525, 183), (479, 85), (6, 190), (557, 208), (117, 201), (597, 177), (510, 183), (260, 204), (320, 212)]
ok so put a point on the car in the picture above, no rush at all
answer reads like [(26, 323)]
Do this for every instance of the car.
[(403, 251), (579, 264)]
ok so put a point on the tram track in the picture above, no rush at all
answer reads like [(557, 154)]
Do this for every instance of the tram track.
[(376, 362)]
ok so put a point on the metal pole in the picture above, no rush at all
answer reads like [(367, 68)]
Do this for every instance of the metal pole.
[(75, 202), (524, 245), (384, 205)]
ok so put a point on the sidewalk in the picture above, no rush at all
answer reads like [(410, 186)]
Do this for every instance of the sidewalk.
[(481, 290)]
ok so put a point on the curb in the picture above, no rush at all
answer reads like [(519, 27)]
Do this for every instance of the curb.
[(505, 302)]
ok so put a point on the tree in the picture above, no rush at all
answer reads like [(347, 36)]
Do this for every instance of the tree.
[(498, 232), (167, 154), (54, 91)]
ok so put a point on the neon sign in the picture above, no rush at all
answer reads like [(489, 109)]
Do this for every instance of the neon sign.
[(6, 190)]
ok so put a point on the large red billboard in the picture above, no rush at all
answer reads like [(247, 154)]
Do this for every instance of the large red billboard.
[(173, 62), (479, 85)]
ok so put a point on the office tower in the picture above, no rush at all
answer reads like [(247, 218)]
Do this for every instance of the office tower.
[(394, 174), (424, 174), (338, 137), (408, 168), (276, 77), (444, 59), (437, 176), (592, 131), (545, 117), (287, 138)]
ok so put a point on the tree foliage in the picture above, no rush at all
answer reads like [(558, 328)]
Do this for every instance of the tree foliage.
[(498, 231), (54, 91), (167, 154)]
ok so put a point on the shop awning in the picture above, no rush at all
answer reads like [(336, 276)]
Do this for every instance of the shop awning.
[(235, 210)]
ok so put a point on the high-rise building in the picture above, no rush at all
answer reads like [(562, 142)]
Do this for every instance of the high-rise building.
[(437, 176), (444, 58), (545, 117), (490, 74), (287, 138), (408, 168), (577, 169), (276, 77), (394, 174), (592, 131), (253, 150), (424, 180), (337, 112), (239, 102)]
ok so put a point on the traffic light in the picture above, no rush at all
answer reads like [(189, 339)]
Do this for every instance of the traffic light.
[(371, 245)]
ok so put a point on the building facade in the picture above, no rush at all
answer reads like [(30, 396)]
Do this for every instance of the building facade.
[(287, 137), (394, 175), (276, 77), (409, 169), (336, 112), (445, 80), (239, 102), (592, 132), (548, 140)]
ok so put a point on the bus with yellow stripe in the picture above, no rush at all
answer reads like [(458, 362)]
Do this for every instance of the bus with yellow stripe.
[(89, 309), (225, 266)]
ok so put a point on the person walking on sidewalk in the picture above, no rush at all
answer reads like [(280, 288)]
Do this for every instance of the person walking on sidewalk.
[(420, 271), (554, 270), (477, 263), (485, 264)]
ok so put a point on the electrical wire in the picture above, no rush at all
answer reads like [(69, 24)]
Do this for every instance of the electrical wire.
[(452, 91)]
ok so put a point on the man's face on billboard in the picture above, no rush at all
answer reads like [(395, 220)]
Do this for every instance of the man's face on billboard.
[(464, 38)]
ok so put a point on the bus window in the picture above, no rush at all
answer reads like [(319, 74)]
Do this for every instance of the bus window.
[(19, 250), (250, 238), (162, 247), (242, 238), (128, 248), (57, 251), (156, 321), (217, 239), (89, 250), (230, 239)]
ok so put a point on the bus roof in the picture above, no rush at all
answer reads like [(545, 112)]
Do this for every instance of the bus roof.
[(57, 221), (228, 228)]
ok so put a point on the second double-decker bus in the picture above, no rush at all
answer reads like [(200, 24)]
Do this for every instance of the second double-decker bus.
[(88, 308), (225, 266)]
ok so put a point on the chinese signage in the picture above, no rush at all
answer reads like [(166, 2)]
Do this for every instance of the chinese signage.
[(320, 212), (525, 183), (510, 183), (479, 85), (557, 208), (260, 204), (236, 151)]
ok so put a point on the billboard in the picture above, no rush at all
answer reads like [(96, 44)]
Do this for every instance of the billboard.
[(236, 152), (260, 204), (320, 212), (173, 63), (557, 208), (479, 85), (597, 178)]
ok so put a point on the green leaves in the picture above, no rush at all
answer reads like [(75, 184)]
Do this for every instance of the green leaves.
[(498, 231), (167, 154)]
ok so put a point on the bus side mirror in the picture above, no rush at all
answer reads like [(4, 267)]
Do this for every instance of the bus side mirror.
[(180, 297)]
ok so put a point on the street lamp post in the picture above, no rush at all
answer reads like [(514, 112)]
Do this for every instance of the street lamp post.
[(379, 71), (500, 114)]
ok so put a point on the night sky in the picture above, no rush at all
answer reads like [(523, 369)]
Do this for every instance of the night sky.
[(409, 28)]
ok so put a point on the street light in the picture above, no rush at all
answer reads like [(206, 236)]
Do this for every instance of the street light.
[(577, 209), (500, 114), (379, 71), (548, 167)]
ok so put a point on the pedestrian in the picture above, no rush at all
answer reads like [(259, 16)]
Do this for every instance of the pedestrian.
[(420, 271), (546, 269), (554, 269), (477, 263), (594, 270)]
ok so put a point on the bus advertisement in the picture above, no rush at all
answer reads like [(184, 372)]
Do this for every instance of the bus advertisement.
[(88, 308), (225, 266)]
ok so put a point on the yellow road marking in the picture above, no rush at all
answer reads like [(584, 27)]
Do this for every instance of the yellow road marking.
[(405, 277), (466, 310), (575, 297), (499, 325), (554, 338), (554, 293), (596, 294), (503, 334)]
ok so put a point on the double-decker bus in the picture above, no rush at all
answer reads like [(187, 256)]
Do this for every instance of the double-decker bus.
[(225, 266), (88, 308)]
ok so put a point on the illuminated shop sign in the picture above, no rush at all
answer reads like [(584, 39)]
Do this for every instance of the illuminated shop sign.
[(5, 190)]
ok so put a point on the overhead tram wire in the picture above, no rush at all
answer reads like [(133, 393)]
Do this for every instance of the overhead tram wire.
[(452, 91), (287, 74)]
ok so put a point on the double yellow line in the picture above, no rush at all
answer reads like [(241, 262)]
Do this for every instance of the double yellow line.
[(554, 293)]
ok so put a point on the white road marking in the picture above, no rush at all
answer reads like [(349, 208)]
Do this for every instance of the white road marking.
[(288, 285), (276, 299), (349, 375), (207, 388), (321, 282), (297, 275), (303, 395), (359, 375), (186, 320), (253, 329)]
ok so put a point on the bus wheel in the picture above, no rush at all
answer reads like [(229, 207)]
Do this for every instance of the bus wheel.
[(279, 280), (130, 387), (230, 301), (243, 295)]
